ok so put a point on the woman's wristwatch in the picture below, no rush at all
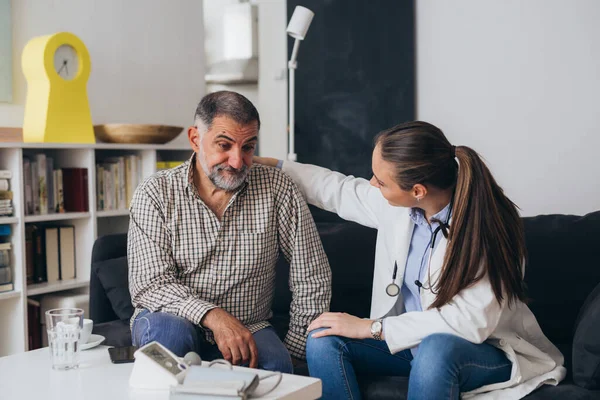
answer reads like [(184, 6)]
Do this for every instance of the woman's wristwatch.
[(377, 329)]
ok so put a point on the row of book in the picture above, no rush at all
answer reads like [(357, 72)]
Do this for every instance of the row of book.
[(116, 180), (6, 275), (6, 195), (49, 253), (49, 190)]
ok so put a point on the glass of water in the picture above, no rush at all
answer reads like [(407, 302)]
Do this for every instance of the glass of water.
[(64, 329)]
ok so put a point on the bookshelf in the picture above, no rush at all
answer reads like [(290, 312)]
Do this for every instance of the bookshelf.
[(88, 225)]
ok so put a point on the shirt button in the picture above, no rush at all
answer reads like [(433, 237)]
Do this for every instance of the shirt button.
[(502, 342)]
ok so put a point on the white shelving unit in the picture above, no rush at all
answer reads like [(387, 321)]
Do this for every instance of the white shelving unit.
[(88, 225)]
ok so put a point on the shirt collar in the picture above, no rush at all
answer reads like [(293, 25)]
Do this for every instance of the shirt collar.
[(417, 215), (192, 187)]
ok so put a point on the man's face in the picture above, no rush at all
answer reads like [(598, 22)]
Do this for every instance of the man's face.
[(225, 151)]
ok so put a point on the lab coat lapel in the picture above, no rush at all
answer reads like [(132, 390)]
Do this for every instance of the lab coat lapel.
[(437, 261), (403, 239)]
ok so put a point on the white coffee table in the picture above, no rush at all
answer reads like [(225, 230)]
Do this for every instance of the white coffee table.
[(30, 376)]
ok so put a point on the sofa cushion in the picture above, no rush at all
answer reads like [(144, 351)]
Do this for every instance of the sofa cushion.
[(562, 269), (113, 277), (350, 248), (586, 344)]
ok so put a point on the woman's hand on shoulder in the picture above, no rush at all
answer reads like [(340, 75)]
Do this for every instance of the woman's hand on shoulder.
[(341, 324), (271, 162)]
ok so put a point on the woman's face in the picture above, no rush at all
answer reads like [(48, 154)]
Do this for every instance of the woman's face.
[(383, 178)]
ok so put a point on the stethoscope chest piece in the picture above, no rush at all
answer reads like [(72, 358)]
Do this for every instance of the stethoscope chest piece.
[(392, 290)]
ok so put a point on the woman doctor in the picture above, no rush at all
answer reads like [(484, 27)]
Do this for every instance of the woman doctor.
[(448, 293)]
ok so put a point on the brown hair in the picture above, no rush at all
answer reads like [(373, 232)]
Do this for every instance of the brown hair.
[(486, 235)]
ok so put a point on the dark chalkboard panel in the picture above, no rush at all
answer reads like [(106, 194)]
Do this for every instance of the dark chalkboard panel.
[(355, 77)]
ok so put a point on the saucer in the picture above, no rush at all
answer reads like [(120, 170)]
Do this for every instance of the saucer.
[(93, 341)]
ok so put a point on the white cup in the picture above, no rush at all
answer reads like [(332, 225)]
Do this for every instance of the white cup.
[(86, 331)]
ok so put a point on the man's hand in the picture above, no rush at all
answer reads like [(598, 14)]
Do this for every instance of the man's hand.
[(341, 324), (234, 340)]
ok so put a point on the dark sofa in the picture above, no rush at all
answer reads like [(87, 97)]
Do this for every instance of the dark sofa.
[(562, 275)]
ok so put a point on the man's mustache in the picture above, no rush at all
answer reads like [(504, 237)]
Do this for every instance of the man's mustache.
[(221, 167)]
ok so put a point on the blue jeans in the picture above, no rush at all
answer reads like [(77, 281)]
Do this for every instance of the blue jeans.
[(181, 336), (444, 366)]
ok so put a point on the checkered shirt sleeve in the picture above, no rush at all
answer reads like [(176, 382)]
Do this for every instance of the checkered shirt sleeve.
[(310, 274), (153, 281)]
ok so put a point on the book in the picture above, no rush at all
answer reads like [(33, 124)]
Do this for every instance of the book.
[(39, 255), (66, 241), (43, 182), (174, 164), (52, 254), (5, 275), (5, 174), (29, 254), (27, 187), (4, 258), (50, 184), (34, 324), (6, 195), (108, 198), (99, 187), (35, 188), (4, 184), (5, 230), (75, 189), (5, 246), (128, 182), (7, 287), (60, 200)]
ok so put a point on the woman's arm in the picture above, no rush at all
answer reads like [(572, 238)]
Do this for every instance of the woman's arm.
[(473, 314), (353, 199)]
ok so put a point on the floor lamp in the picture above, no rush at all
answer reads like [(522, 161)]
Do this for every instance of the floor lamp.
[(297, 29)]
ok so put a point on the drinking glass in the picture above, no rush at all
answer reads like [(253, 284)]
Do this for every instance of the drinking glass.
[(64, 329)]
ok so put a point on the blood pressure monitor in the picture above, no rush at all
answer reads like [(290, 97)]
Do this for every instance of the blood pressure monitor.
[(156, 367)]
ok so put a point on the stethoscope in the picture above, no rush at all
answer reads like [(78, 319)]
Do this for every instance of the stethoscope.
[(393, 289)]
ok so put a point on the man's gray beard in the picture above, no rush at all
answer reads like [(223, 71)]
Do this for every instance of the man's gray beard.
[(227, 182), (219, 178)]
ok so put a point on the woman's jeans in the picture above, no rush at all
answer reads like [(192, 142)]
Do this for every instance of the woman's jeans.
[(444, 365), (181, 336)]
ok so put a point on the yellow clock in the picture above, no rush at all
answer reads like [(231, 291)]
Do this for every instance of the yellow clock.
[(57, 68)]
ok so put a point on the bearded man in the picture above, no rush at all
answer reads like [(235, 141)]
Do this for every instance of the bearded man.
[(203, 242)]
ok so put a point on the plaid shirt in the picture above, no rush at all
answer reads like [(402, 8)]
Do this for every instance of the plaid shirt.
[(184, 261)]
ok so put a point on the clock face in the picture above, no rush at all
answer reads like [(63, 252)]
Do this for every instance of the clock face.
[(66, 62)]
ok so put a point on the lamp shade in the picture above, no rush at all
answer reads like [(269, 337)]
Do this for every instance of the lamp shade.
[(300, 22)]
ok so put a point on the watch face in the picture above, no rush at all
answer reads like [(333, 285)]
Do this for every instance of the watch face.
[(376, 327), (66, 62)]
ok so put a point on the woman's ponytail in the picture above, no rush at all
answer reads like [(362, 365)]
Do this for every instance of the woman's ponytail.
[(486, 235)]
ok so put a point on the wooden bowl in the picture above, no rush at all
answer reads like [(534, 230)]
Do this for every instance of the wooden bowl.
[(136, 133)]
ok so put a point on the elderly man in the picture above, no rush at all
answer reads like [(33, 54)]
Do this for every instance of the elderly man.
[(203, 242)]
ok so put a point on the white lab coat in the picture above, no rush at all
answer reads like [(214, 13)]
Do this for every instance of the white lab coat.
[(474, 314)]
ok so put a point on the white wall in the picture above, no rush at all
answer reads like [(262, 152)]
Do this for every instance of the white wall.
[(272, 77), (270, 95), (147, 56), (519, 81)]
